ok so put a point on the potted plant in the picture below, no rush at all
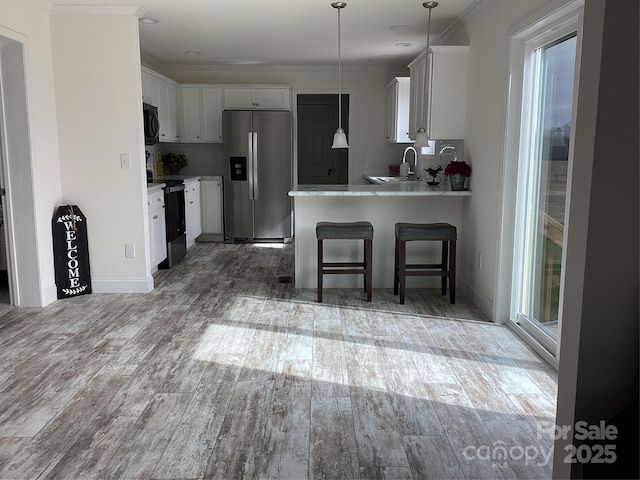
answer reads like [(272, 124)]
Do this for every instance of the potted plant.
[(457, 173), (174, 162), (433, 170)]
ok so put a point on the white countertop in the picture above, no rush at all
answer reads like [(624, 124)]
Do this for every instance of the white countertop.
[(400, 189), (152, 187)]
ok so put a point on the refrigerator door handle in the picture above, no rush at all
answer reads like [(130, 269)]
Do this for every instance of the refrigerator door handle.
[(250, 166), (254, 164)]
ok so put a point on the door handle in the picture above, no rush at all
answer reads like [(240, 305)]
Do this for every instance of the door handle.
[(256, 182), (250, 166)]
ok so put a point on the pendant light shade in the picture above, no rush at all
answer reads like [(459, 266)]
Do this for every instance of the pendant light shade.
[(423, 135), (339, 138)]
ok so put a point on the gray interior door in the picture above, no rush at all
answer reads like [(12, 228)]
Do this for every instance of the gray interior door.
[(318, 163)]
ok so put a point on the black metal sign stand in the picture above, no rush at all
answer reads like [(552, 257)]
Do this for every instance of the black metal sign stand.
[(71, 252)]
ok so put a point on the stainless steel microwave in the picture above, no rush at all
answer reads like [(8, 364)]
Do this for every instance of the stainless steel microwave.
[(151, 124)]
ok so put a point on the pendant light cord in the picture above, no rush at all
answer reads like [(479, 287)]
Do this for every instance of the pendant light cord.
[(339, 75)]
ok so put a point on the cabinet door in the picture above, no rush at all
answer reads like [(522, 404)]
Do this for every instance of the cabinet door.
[(146, 88), (211, 205), (273, 98), (163, 112), (212, 115), (191, 114), (448, 88), (397, 111), (417, 117), (157, 237), (239, 98), (172, 101), (442, 110), (192, 211)]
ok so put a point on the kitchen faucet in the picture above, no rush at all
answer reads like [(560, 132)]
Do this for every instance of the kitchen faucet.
[(453, 154), (415, 159)]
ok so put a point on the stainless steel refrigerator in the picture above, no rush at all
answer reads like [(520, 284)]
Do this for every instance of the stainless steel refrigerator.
[(258, 159)]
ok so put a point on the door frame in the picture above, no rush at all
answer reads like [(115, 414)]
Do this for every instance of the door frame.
[(23, 259)]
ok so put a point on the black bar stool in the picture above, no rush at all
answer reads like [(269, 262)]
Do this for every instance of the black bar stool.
[(444, 232), (345, 231)]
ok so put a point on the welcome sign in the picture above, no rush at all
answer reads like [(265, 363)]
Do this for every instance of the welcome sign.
[(71, 252)]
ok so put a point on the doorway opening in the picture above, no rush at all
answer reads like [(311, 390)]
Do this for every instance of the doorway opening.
[(317, 121)]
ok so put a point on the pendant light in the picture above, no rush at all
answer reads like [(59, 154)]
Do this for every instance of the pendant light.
[(423, 135), (339, 138)]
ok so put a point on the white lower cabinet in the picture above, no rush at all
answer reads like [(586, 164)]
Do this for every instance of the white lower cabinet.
[(157, 228), (192, 210), (211, 196)]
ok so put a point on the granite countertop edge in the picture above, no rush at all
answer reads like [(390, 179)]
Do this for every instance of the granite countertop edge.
[(401, 189)]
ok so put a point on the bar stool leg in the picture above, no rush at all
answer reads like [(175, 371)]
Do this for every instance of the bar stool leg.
[(368, 277), (445, 252), (320, 270), (395, 267), (402, 269), (452, 272)]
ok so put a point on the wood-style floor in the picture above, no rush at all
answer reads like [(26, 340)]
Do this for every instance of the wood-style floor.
[(227, 371)]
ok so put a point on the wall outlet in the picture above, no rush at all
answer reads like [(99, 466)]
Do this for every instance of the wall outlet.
[(130, 250), (479, 261)]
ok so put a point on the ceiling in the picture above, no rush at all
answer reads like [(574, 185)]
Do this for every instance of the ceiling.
[(286, 33)]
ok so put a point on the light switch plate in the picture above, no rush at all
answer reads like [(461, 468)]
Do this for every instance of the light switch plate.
[(125, 160)]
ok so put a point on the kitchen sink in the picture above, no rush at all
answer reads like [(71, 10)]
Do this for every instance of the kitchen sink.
[(383, 180)]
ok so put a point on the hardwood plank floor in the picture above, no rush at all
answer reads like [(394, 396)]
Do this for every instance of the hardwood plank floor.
[(227, 371)]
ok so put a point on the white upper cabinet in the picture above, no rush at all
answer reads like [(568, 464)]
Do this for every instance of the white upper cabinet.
[(397, 111), (202, 114), (191, 114), (163, 93), (443, 110), (212, 114), (257, 98)]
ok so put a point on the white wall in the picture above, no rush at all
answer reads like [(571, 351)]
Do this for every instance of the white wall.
[(598, 375), (365, 85), (99, 95), (487, 31), (28, 24)]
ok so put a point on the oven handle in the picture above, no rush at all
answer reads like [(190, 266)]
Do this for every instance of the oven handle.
[(175, 188)]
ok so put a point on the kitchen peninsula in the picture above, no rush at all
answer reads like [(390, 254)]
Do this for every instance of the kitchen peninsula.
[(383, 206)]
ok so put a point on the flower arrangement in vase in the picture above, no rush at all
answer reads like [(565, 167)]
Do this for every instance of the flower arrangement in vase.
[(433, 171), (457, 173), (174, 162)]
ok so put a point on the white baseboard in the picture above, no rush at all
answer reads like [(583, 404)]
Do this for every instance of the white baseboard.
[(484, 303), (50, 295), (143, 285)]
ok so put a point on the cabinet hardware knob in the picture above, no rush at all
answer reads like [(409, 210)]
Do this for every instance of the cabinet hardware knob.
[(155, 217)]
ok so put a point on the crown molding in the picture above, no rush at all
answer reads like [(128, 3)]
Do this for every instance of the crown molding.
[(126, 10), (458, 22)]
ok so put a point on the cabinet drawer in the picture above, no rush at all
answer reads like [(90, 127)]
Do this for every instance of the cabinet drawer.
[(155, 200), (190, 189)]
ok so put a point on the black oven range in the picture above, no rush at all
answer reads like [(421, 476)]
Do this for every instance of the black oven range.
[(175, 223)]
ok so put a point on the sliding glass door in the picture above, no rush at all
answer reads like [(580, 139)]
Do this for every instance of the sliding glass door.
[(543, 171)]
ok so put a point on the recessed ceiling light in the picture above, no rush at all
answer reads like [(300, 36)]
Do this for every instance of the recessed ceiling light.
[(193, 52), (148, 21), (398, 27), (404, 44)]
